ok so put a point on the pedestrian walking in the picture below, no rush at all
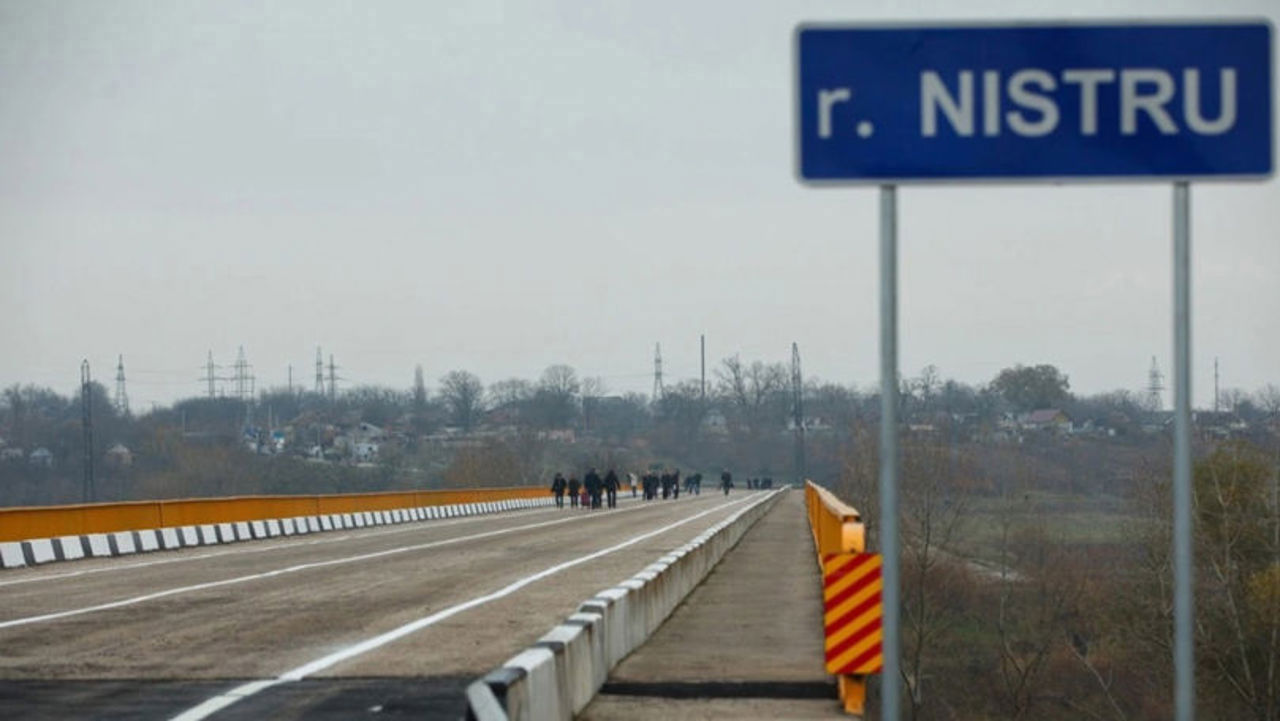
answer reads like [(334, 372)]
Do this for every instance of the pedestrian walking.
[(594, 486), (558, 486), (611, 488), (575, 487), (726, 481)]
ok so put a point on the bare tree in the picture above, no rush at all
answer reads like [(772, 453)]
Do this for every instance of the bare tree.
[(555, 404), (510, 392), (463, 394), (754, 394), (592, 390)]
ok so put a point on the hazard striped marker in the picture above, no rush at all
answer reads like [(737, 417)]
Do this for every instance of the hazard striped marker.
[(851, 590)]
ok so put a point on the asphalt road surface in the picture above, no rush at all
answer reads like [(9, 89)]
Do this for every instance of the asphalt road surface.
[(391, 621)]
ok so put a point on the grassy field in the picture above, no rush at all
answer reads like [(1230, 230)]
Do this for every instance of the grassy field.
[(1084, 520)]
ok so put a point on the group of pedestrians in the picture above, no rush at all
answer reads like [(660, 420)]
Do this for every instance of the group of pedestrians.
[(594, 491), (668, 481)]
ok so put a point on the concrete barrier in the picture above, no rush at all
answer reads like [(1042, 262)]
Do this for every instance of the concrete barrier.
[(556, 677), (70, 547), (169, 539), (99, 545), (122, 543), (147, 540), (38, 551), (539, 688), (11, 555)]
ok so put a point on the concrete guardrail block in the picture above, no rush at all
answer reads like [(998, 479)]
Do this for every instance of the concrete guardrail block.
[(190, 535), (148, 540), (38, 551), (541, 688), (482, 705), (571, 644), (71, 548), (512, 695), (11, 555), (99, 545), (121, 543), (593, 635), (169, 539)]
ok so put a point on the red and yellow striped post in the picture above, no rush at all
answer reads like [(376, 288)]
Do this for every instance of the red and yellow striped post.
[(851, 591), (852, 613)]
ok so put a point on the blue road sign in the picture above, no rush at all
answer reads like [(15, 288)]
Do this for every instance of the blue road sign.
[(1034, 102)]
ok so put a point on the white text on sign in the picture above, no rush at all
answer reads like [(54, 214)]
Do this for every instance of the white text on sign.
[(1027, 102)]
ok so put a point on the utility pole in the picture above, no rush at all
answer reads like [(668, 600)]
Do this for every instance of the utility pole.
[(243, 379), (1215, 385), (290, 379), (657, 372), (703, 355), (209, 368), (319, 372), (86, 403), (797, 408), (333, 379), (121, 399), (1155, 386)]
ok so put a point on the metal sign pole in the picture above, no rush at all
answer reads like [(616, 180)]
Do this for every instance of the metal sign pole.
[(1183, 568), (890, 682)]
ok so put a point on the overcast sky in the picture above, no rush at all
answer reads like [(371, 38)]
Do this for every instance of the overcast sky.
[(501, 186)]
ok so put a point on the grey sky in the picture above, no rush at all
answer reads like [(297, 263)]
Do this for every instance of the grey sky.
[(502, 186)]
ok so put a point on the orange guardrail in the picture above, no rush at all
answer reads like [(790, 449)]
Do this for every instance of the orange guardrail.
[(25, 522), (850, 592)]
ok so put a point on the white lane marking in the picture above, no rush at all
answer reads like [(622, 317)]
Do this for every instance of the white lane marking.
[(369, 532), (221, 701), (294, 569)]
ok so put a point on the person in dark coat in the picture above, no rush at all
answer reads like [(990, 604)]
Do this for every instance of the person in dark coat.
[(675, 483), (558, 486), (611, 488), (594, 486), (726, 481), (574, 489)]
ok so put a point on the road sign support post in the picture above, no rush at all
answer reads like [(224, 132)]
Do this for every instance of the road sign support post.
[(890, 681), (1183, 567)]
